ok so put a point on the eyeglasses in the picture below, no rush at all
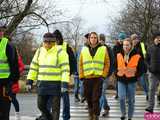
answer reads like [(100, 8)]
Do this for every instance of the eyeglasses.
[(48, 42), (126, 45)]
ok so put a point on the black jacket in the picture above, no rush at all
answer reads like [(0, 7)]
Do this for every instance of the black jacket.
[(72, 60), (117, 48), (111, 58), (153, 59), (139, 50), (140, 69)]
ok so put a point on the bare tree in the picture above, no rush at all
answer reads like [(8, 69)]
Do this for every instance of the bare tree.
[(23, 42), (72, 31), (139, 16), (27, 14)]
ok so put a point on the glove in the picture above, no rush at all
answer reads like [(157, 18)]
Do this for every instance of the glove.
[(64, 87)]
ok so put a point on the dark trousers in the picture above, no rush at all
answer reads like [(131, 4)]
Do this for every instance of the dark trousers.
[(42, 105), (92, 92), (15, 102), (66, 106), (5, 105)]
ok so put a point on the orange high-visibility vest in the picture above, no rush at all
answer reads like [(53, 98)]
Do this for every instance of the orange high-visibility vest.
[(128, 69)]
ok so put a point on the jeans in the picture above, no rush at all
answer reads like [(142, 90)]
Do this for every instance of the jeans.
[(66, 106), (103, 99), (127, 91), (42, 105), (154, 81), (81, 90), (143, 82), (76, 85)]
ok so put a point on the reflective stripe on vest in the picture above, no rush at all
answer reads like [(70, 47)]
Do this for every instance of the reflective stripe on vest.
[(95, 65), (64, 46), (130, 69), (143, 49), (49, 69), (4, 66)]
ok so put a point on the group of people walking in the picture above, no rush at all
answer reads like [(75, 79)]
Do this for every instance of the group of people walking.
[(130, 61), (54, 62)]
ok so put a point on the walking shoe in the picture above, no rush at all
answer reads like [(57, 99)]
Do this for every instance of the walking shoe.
[(116, 97), (106, 111), (149, 110), (83, 99), (158, 99), (95, 117), (17, 116), (86, 108), (146, 97), (76, 98), (123, 118), (40, 118)]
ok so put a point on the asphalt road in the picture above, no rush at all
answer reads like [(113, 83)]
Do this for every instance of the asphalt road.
[(29, 110)]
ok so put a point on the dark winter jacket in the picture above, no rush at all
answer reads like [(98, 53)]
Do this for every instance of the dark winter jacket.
[(111, 57), (117, 48), (153, 59), (72, 60), (138, 48)]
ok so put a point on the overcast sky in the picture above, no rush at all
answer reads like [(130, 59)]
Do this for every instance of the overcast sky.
[(95, 13)]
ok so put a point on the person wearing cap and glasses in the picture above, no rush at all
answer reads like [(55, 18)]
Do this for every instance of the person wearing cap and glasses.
[(49, 66)]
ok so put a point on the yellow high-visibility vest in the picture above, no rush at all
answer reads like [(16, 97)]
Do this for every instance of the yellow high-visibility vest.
[(4, 66), (51, 65), (93, 65), (64, 46)]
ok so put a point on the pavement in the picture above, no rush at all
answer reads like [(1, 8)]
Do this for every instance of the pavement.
[(29, 110)]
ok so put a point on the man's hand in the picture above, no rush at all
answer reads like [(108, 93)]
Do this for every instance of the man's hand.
[(64, 87), (28, 88)]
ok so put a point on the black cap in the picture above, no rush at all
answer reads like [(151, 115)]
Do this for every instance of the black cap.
[(48, 37), (86, 35), (102, 37)]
